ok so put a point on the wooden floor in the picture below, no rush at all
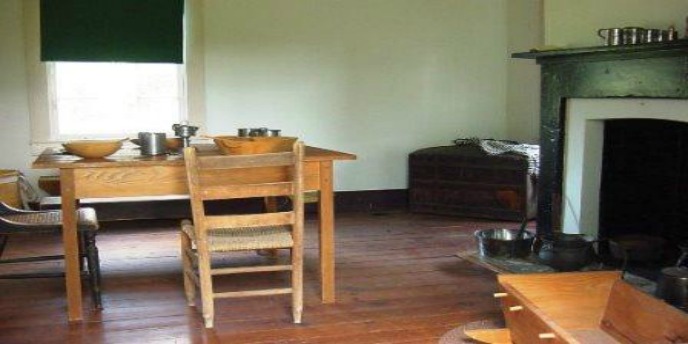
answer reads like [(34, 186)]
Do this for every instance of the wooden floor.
[(397, 277)]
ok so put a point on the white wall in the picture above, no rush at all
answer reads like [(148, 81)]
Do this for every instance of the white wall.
[(14, 108), (575, 23), (525, 32), (376, 78)]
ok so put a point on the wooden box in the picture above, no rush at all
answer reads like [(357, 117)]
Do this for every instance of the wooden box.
[(9, 188), (465, 181), (583, 307)]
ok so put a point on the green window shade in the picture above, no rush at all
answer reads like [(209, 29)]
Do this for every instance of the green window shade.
[(112, 30)]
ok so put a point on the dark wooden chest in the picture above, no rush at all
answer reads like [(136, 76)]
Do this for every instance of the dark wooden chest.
[(465, 181)]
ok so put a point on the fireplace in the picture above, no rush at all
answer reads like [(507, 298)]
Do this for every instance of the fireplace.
[(605, 83), (596, 103), (624, 169), (644, 182)]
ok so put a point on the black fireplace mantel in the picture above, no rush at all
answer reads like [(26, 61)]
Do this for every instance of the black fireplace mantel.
[(655, 70)]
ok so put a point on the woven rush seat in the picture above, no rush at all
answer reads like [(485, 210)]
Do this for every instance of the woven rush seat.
[(48, 220), (19, 222), (246, 238)]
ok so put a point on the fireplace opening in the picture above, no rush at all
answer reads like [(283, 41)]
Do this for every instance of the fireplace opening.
[(644, 189)]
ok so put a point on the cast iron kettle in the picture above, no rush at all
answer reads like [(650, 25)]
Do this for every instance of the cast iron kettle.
[(564, 252), (672, 285)]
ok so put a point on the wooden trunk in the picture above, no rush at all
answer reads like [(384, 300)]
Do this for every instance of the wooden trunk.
[(465, 181)]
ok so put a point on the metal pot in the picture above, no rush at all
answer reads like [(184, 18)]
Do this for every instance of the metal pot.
[(502, 242), (564, 252), (185, 131), (152, 143), (637, 248), (672, 285)]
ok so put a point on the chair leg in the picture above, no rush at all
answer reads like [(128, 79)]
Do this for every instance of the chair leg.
[(93, 261), (83, 245), (297, 284), (187, 270), (206, 287), (3, 242)]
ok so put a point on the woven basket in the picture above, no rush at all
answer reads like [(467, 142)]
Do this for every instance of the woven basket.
[(235, 145)]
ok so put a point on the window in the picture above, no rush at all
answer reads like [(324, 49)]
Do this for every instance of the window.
[(102, 99), (50, 102)]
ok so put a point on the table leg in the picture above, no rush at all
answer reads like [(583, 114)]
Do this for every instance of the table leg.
[(326, 223), (71, 245)]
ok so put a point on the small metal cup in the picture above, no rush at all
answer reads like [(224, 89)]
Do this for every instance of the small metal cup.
[(612, 36), (152, 143), (632, 35), (652, 36)]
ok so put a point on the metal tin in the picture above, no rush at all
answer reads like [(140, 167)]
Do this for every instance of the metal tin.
[(672, 286), (153, 143), (612, 36), (632, 35)]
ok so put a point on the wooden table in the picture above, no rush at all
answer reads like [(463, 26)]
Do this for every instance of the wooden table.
[(123, 175)]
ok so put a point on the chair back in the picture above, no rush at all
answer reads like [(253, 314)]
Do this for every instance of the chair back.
[(223, 177)]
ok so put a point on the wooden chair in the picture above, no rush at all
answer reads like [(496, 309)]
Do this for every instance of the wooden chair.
[(216, 177), (16, 222)]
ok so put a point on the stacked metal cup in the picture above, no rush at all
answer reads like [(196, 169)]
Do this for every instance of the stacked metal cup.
[(636, 35)]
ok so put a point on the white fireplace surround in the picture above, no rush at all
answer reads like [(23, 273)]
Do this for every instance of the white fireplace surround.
[(584, 133)]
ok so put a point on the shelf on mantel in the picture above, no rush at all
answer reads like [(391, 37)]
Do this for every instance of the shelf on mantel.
[(678, 47)]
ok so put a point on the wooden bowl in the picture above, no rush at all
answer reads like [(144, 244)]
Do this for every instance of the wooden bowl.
[(236, 145), (173, 143), (92, 149)]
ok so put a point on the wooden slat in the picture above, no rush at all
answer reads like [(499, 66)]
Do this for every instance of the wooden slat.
[(130, 181), (593, 335), (247, 191), (246, 269), (576, 300), (526, 321), (228, 177), (246, 161), (252, 220), (262, 292), (635, 316), (493, 336)]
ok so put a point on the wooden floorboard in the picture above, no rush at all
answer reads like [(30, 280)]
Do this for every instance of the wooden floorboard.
[(398, 281)]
